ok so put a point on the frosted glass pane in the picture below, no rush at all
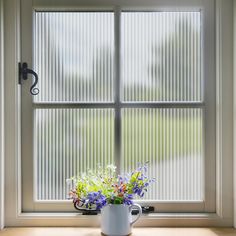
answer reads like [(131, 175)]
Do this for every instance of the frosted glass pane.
[(73, 56), (68, 142), (172, 141), (161, 56)]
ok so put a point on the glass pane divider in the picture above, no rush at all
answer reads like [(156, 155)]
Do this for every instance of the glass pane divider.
[(117, 88), (121, 105)]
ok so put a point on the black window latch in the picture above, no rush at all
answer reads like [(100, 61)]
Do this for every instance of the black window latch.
[(23, 75), (145, 210)]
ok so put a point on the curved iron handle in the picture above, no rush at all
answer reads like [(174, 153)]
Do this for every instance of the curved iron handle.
[(33, 90), (23, 74)]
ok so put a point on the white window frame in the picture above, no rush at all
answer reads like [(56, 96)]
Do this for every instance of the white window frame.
[(29, 202), (224, 204)]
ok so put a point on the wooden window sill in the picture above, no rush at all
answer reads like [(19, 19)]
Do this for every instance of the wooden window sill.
[(56, 231)]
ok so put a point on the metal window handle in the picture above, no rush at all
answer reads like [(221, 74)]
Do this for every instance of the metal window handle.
[(23, 75)]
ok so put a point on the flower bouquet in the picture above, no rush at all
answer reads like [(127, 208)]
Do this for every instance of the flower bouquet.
[(95, 189)]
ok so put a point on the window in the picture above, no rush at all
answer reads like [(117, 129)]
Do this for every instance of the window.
[(123, 86)]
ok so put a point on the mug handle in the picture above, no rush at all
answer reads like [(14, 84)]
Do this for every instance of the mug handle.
[(137, 206)]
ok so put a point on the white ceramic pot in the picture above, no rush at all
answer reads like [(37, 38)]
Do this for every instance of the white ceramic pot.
[(116, 220)]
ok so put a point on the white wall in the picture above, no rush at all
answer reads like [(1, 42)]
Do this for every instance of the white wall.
[(1, 121), (234, 109)]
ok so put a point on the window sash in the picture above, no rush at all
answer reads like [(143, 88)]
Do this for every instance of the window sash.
[(28, 203)]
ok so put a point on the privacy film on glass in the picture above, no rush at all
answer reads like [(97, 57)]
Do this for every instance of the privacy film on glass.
[(68, 142), (171, 140), (73, 56), (161, 56)]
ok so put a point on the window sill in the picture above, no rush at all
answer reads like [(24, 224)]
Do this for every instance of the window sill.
[(149, 220), (136, 231)]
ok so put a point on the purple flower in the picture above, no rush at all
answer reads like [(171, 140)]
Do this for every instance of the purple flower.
[(95, 198)]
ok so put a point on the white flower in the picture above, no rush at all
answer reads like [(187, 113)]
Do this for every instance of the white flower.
[(111, 167)]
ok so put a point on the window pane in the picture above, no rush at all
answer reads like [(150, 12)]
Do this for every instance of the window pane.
[(69, 141), (172, 141), (73, 56), (161, 56)]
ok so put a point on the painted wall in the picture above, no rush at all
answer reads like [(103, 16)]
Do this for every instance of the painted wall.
[(234, 117), (1, 121)]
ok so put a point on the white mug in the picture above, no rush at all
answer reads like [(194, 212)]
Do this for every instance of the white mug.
[(116, 220)]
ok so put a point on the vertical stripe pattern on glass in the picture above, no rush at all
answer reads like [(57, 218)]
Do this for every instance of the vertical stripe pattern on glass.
[(161, 54), (68, 142), (160, 61), (171, 140), (73, 56)]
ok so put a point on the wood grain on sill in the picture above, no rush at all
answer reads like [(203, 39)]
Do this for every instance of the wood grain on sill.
[(136, 232)]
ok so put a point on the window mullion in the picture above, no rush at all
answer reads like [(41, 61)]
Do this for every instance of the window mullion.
[(117, 32)]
